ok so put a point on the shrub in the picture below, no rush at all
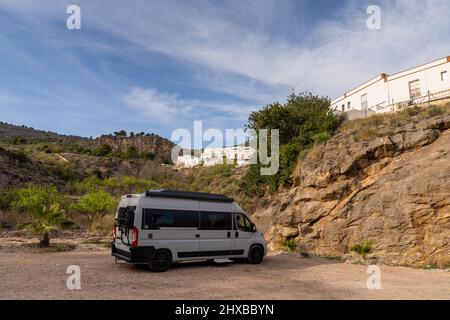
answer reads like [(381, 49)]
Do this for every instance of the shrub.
[(132, 153), (321, 137), (95, 204), (148, 155), (434, 111), (289, 245), (102, 151), (18, 140), (6, 200), (44, 203), (362, 248), (301, 121)]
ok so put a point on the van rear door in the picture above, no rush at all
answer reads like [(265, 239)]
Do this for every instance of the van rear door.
[(124, 225)]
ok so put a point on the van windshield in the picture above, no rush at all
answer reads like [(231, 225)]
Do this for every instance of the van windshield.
[(125, 216)]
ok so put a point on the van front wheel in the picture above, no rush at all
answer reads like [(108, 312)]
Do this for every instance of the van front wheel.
[(160, 260), (255, 254)]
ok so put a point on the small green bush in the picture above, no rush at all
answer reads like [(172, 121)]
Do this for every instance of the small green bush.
[(434, 111), (362, 248), (289, 245), (321, 137), (102, 151)]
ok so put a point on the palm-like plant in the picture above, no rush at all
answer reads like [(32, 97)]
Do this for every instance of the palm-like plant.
[(44, 206)]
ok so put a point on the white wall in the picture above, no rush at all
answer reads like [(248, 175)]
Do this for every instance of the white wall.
[(386, 90)]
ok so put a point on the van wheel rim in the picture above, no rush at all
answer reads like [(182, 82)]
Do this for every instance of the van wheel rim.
[(256, 253), (161, 259)]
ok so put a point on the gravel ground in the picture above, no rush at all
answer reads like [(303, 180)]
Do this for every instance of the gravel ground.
[(27, 273)]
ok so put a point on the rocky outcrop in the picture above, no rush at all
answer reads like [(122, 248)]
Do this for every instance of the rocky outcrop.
[(393, 191), (149, 142)]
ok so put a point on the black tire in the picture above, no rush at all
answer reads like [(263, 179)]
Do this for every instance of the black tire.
[(255, 254), (160, 261)]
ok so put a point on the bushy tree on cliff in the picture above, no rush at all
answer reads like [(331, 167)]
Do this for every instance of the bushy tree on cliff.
[(302, 120), (121, 133)]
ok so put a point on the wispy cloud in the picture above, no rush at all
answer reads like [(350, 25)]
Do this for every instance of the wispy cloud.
[(237, 55), (169, 108)]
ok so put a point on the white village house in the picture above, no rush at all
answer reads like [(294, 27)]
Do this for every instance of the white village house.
[(386, 93), (241, 155)]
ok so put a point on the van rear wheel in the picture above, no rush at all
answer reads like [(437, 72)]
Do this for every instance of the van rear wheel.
[(160, 260), (255, 254)]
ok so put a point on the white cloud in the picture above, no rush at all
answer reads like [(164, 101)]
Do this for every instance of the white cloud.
[(160, 106), (167, 108), (234, 51), (251, 62)]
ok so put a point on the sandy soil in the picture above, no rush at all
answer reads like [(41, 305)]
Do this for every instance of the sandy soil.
[(27, 273)]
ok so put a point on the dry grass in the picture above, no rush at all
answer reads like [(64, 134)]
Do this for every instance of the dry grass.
[(381, 125)]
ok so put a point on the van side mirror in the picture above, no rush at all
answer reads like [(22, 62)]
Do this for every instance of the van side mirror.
[(253, 228)]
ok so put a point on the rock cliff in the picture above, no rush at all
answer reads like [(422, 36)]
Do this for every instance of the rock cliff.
[(393, 191), (150, 142)]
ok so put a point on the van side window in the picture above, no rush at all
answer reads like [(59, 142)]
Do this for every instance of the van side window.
[(215, 220), (242, 222), (155, 219)]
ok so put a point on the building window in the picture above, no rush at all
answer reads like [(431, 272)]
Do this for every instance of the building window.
[(348, 105), (364, 102), (343, 107), (444, 76), (414, 89)]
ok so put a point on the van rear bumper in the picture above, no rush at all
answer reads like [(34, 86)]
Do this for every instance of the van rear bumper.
[(135, 255)]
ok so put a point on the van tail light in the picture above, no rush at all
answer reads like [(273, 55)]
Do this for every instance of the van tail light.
[(115, 233), (134, 241)]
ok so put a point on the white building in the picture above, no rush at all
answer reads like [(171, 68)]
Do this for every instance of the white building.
[(241, 155), (387, 93)]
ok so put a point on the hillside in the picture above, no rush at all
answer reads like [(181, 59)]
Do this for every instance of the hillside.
[(120, 142), (383, 182)]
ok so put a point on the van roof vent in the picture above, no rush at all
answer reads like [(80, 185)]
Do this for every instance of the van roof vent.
[(188, 195)]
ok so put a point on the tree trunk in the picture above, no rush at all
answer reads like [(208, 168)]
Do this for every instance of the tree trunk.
[(45, 242)]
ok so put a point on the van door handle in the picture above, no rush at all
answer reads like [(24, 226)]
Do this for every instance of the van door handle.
[(228, 234), (236, 234), (197, 236)]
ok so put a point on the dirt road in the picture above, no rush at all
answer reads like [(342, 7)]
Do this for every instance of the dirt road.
[(31, 275)]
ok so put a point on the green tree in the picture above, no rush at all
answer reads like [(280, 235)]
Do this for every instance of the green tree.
[(132, 153), (103, 150), (44, 205), (19, 140), (95, 204), (302, 120), (6, 199), (121, 133), (148, 155)]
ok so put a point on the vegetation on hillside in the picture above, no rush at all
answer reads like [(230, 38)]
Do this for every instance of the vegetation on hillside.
[(45, 208), (302, 121), (381, 125), (87, 187)]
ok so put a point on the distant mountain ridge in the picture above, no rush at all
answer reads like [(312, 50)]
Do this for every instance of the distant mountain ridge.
[(10, 131), (148, 142)]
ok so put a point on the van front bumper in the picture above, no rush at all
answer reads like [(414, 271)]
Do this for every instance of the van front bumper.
[(135, 255)]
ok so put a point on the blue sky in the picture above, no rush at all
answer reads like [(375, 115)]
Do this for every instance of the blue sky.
[(156, 66)]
